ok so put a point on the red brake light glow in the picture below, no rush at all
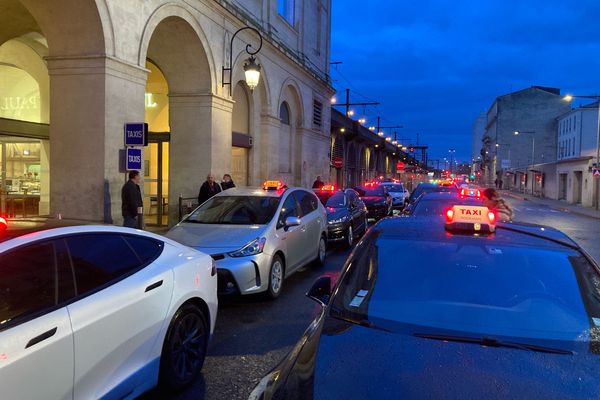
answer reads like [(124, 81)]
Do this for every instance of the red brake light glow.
[(478, 194), (491, 217), (449, 215), (462, 192)]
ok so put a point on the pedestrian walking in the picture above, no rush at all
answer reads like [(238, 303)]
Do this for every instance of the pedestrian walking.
[(227, 182), (318, 183), (208, 189), (131, 200), (493, 201)]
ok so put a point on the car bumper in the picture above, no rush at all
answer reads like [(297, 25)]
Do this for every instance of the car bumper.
[(243, 275), (337, 232), (377, 212)]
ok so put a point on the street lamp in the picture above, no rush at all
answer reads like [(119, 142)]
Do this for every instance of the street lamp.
[(570, 97), (251, 68), (532, 133)]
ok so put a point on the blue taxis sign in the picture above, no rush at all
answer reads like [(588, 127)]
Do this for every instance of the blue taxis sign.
[(133, 159), (136, 134)]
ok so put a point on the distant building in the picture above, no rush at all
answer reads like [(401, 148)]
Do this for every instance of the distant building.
[(577, 141), (518, 158), (476, 145)]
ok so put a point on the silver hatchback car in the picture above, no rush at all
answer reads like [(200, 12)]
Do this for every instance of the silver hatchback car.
[(257, 236)]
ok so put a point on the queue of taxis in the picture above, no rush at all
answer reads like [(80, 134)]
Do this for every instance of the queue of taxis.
[(346, 214), (513, 304), (257, 236)]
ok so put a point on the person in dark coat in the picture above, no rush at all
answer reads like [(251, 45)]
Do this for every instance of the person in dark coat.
[(131, 200), (208, 189), (318, 183), (227, 182)]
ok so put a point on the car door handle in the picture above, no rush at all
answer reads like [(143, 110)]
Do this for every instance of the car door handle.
[(41, 338), (154, 286)]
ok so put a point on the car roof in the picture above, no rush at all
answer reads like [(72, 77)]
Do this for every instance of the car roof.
[(55, 228), (441, 195), (257, 191), (432, 228)]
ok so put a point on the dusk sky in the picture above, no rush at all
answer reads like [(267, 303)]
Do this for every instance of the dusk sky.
[(434, 65)]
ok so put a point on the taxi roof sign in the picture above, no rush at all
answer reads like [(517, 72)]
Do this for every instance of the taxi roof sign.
[(476, 219), (273, 185)]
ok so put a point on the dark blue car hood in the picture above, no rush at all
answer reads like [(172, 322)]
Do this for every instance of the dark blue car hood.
[(355, 362)]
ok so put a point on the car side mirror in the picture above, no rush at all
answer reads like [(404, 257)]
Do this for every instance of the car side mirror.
[(321, 290), (292, 221)]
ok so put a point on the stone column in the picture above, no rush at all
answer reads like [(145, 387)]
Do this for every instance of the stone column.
[(44, 206), (200, 144), (268, 148), (91, 99)]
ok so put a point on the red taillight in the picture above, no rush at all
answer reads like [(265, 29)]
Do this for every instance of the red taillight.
[(462, 192), (492, 217), (449, 215), (3, 224), (478, 194)]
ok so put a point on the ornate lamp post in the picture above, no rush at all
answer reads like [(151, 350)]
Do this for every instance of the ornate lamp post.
[(251, 68)]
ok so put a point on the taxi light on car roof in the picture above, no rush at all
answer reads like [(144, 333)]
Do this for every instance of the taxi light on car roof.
[(474, 219), (328, 188), (273, 185)]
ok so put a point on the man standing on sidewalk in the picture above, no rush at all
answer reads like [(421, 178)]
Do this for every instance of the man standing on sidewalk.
[(131, 200)]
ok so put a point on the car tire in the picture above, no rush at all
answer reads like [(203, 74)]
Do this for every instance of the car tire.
[(321, 252), (276, 275), (349, 237), (184, 348)]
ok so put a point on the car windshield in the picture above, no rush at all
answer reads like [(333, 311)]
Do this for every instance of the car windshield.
[(323, 196), (395, 188), (338, 200), (377, 191), (235, 210), (472, 286), (429, 188)]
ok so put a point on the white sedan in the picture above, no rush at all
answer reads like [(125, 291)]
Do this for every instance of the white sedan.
[(92, 312)]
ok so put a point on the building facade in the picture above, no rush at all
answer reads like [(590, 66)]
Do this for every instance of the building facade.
[(477, 132), (577, 144), (518, 159), (73, 72)]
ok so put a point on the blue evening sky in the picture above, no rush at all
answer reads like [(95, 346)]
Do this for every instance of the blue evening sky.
[(434, 65)]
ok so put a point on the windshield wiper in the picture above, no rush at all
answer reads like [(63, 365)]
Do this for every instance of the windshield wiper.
[(342, 314), (491, 342)]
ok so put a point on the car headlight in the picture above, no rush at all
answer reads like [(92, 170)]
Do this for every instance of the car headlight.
[(254, 247), (339, 220)]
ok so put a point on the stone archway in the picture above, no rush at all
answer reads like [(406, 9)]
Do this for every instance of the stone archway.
[(290, 95), (200, 124)]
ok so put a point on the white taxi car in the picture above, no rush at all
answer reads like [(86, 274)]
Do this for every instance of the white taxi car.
[(257, 236), (91, 312)]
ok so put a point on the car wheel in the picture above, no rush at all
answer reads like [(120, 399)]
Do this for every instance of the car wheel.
[(321, 252), (349, 237), (276, 274), (184, 348)]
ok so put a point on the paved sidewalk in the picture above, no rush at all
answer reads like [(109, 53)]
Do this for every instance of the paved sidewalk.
[(555, 204)]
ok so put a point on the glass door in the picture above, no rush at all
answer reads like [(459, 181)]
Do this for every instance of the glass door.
[(156, 180)]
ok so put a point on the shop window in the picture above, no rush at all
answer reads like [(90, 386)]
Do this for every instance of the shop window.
[(19, 95)]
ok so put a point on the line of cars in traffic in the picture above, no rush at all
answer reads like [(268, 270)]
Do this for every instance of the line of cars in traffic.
[(109, 312), (474, 308)]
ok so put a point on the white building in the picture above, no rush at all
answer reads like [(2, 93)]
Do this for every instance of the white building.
[(72, 72), (576, 152)]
